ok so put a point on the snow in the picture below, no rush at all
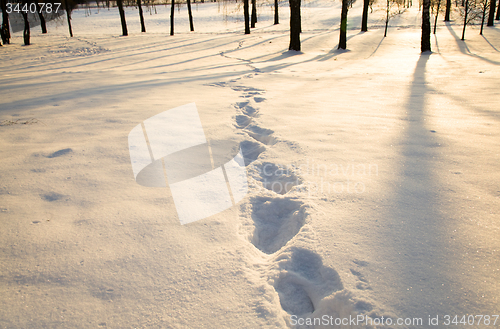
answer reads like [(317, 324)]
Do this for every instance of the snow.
[(372, 173)]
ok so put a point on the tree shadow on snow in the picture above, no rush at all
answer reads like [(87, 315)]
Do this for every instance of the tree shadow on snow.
[(415, 233), (462, 45)]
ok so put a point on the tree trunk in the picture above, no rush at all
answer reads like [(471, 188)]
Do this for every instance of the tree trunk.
[(364, 21), (190, 13), (68, 17), (425, 44), (386, 19), (42, 19), (448, 10), (5, 29), (492, 13), (497, 17), (122, 17), (247, 16), (465, 18), (254, 14), (172, 11), (437, 14), (141, 16), (276, 15), (294, 25), (485, 5), (26, 33), (300, 19), (343, 25)]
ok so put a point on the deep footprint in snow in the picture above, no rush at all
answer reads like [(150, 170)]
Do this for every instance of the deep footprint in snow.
[(276, 221), (262, 135), (304, 281), (278, 179), (240, 105), (251, 151), (294, 298), (246, 109), (242, 121), (249, 110)]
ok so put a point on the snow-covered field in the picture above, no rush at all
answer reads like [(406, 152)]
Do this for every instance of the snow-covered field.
[(392, 190)]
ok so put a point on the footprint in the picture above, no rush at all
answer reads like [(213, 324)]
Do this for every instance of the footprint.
[(59, 153), (259, 99), (249, 110), (52, 196), (363, 282), (294, 298), (217, 84), (276, 221), (242, 121), (278, 179), (304, 281), (240, 105), (263, 135), (251, 151)]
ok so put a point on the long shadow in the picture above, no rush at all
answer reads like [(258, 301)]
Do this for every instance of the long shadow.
[(414, 232), (465, 50), (378, 46), (290, 53), (470, 104), (115, 89), (70, 62), (488, 41)]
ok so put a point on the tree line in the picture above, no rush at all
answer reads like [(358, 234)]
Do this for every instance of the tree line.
[(471, 10)]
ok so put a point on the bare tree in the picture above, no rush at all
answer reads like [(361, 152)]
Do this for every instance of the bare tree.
[(40, 16), (190, 13), (448, 10), (122, 17), (483, 5), (68, 8), (295, 25), (497, 17), (466, 13), (247, 16), (425, 43), (5, 29), (276, 15), (141, 16), (364, 21), (26, 32), (491, 17), (471, 12), (388, 8), (172, 11), (437, 14), (253, 20), (343, 25)]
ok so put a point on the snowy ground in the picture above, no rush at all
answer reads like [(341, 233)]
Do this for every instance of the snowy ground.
[(393, 205)]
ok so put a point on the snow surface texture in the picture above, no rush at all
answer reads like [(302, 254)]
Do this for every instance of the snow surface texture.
[(373, 173)]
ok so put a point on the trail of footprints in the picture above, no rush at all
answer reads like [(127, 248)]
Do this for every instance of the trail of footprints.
[(274, 222)]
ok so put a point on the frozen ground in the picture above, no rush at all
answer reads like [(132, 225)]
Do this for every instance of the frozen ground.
[(392, 207)]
